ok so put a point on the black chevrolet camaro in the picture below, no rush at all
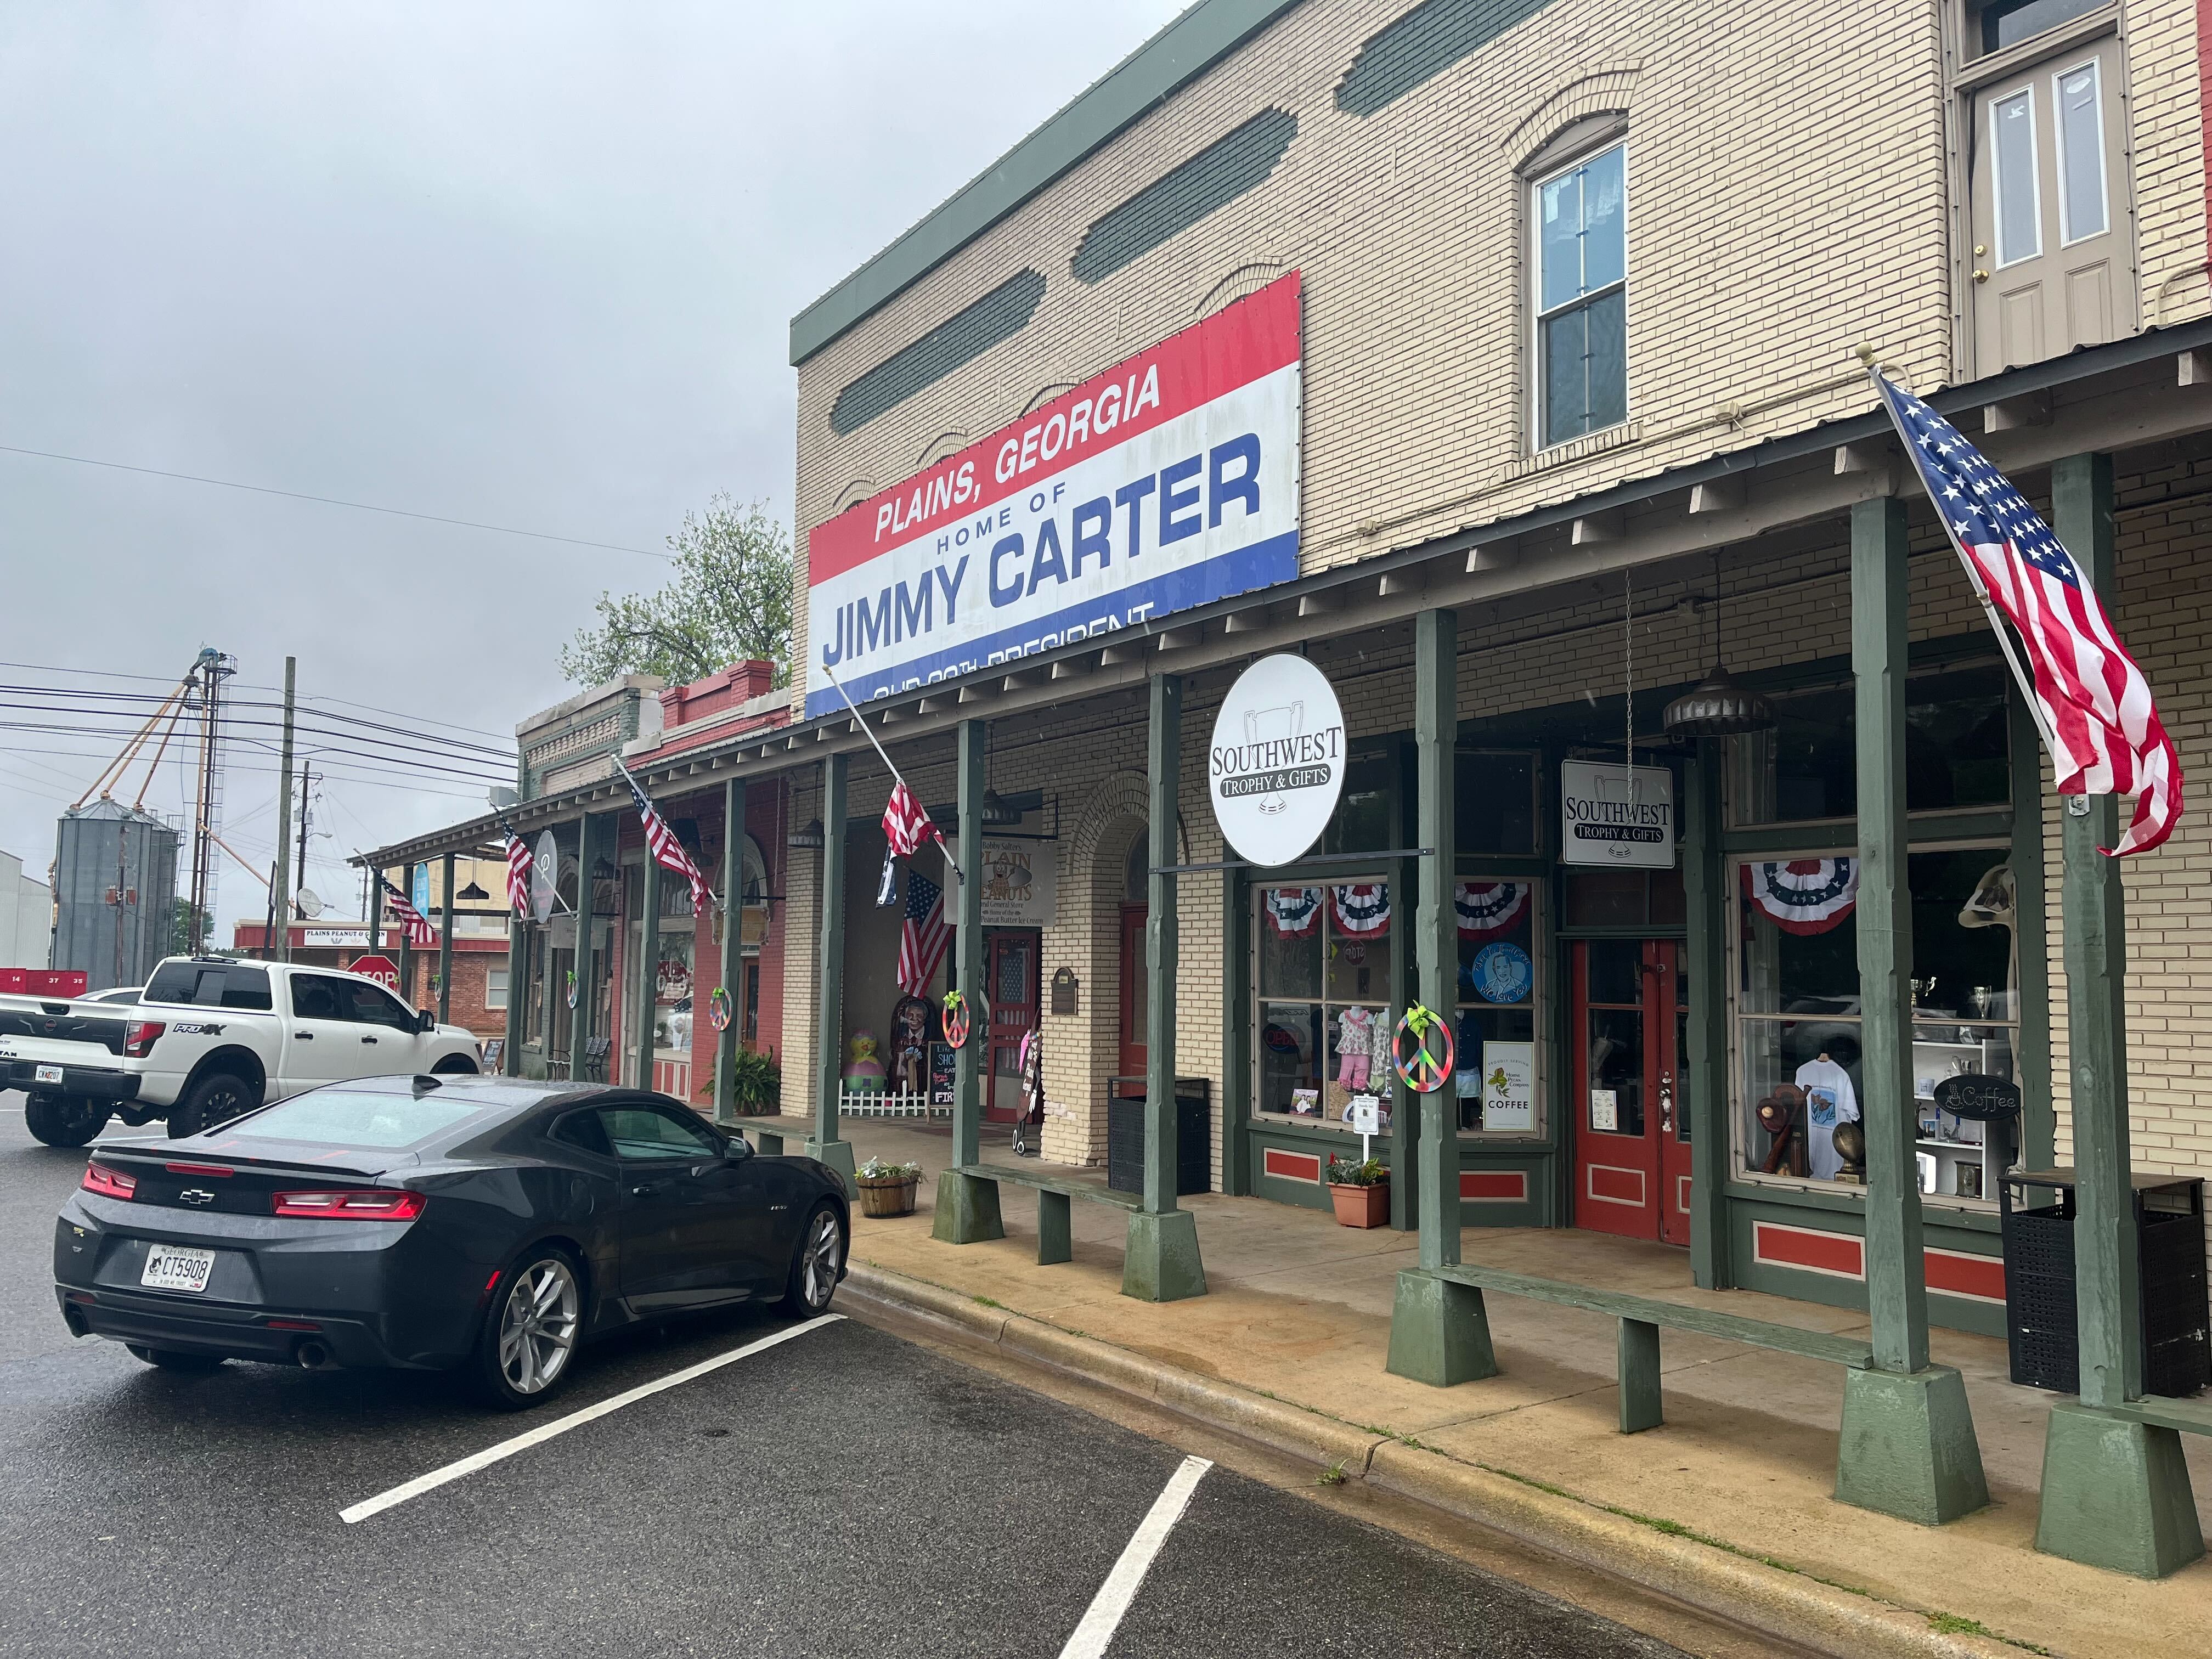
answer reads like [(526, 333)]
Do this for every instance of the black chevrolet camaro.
[(438, 1222)]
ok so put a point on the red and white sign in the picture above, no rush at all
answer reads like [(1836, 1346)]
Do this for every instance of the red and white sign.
[(1170, 481), (382, 969)]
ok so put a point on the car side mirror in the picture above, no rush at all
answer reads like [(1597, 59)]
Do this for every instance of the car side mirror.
[(425, 1021), (736, 1149)]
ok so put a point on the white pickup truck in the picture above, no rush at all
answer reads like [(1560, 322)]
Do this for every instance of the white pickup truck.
[(210, 1037)]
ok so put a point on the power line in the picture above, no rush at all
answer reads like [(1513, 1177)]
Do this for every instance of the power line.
[(428, 738), (466, 767), (332, 500)]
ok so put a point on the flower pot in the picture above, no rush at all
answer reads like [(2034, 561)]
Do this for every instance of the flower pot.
[(1361, 1207), (888, 1194)]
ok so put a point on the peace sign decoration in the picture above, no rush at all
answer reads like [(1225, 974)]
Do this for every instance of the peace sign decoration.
[(955, 1019), (1428, 1066), (718, 1008)]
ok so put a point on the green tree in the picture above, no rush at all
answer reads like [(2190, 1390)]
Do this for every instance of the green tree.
[(729, 600)]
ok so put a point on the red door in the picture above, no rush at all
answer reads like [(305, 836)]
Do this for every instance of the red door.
[(1632, 1130), (1011, 970), (1133, 984)]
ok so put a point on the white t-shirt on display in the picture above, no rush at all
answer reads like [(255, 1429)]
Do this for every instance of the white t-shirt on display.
[(1829, 1100)]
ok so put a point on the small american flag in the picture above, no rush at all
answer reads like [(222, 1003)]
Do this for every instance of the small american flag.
[(2106, 736), (923, 938), (418, 926), (668, 852), (906, 825), (518, 865)]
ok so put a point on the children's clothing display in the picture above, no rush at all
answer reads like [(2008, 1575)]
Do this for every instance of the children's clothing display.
[(1355, 1030), (1830, 1099)]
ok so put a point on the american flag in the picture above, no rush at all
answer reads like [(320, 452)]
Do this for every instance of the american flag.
[(2105, 735), (418, 926), (668, 852), (906, 825), (925, 935), (518, 865)]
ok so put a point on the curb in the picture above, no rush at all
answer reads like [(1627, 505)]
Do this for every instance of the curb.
[(1770, 1600)]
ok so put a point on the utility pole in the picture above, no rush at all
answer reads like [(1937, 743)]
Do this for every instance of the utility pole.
[(211, 673), (280, 898), (307, 778)]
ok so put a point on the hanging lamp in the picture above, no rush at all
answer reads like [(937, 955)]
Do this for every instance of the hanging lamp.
[(1720, 705)]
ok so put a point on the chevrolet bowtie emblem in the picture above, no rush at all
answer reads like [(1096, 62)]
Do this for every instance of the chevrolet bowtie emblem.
[(196, 1195)]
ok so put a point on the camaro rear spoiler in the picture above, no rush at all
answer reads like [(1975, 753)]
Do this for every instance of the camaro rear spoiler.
[(362, 1161)]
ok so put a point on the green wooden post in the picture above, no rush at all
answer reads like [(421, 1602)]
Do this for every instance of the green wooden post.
[(1908, 1446), (407, 945), (1405, 1138), (967, 1206), (733, 950), (2035, 1139), (1235, 1033), (646, 974), (580, 1018), (2116, 1493), (826, 1144), (1161, 1261), (1705, 1068), (517, 977), (1439, 1331), (446, 941)]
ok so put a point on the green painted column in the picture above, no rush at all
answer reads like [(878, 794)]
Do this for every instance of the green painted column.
[(406, 945), (1439, 1331), (733, 950), (1404, 1140), (826, 1143), (1236, 1035), (580, 1018), (2034, 1138), (1161, 1263), (1705, 1068), (446, 940), (645, 973), (2116, 1493), (1908, 1446), (968, 1206), (517, 980)]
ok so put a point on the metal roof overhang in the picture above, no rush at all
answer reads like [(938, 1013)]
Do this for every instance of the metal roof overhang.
[(2109, 397)]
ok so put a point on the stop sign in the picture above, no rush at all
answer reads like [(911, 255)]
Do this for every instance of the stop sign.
[(382, 969)]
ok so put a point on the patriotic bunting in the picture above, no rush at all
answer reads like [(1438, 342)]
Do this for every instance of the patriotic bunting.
[(1804, 896), (1485, 907), (1363, 906), (1294, 912)]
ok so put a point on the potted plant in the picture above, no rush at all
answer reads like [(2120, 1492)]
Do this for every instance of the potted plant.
[(756, 1085), (888, 1188), (1360, 1190)]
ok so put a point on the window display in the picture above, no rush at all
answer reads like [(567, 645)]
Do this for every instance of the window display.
[(1798, 1012), (1324, 988), (1494, 1028)]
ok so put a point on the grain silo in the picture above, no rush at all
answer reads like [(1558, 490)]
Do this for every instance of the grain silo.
[(115, 892)]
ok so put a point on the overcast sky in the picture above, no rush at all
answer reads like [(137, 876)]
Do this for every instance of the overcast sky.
[(528, 265)]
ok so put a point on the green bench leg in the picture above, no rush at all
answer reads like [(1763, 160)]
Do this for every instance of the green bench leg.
[(1439, 1331), (967, 1210), (1160, 1262), (1639, 1377), (1055, 1228), (2116, 1494), (1908, 1446)]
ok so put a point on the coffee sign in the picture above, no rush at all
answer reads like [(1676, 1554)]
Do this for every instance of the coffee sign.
[(1276, 766), (1616, 815)]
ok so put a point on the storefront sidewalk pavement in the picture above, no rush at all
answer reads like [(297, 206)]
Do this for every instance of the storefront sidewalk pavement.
[(1726, 1506)]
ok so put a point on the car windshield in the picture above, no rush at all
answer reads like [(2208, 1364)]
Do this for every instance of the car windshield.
[(360, 1117)]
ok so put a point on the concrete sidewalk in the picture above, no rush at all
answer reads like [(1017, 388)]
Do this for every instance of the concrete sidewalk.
[(1726, 1506)]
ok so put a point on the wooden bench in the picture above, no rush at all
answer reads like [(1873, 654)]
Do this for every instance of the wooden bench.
[(2184, 1416), (1641, 1317), (1056, 1208), (771, 1132), (596, 1050)]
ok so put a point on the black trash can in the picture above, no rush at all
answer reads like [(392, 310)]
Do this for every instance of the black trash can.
[(2041, 1331), (1125, 1134)]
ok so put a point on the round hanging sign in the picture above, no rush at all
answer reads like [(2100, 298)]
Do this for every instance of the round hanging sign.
[(1502, 973), (718, 1009), (1276, 766), (955, 1019), (544, 874)]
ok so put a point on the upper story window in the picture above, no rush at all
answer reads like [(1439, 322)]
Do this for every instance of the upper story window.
[(2000, 23), (1581, 297)]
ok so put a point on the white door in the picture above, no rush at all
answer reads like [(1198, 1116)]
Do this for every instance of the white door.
[(322, 1040), (385, 1041), (2053, 252)]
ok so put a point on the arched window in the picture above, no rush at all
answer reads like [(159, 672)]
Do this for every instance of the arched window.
[(1136, 887)]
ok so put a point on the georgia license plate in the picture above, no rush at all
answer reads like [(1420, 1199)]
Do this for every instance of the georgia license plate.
[(177, 1267), (46, 1074)]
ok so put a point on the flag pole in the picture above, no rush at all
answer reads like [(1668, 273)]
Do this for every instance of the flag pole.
[(582, 876), (869, 732), (719, 903), (1973, 576)]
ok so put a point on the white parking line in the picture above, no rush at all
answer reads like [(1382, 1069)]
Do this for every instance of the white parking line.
[(490, 1455), (1103, 1617)]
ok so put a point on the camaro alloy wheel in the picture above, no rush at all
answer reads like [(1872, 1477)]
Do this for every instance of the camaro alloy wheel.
[(538, 1326), (814, 1275)]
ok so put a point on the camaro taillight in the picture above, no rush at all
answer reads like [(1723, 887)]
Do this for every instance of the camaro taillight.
[(353, 1204), (139, 1038), (109, 1182)]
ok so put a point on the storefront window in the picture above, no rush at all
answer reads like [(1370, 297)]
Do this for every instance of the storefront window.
[(1798, 1012), (533, 1007), (1366, 819), (1323, 988), (1806, 768), (1494, 800), (1494, 1076)]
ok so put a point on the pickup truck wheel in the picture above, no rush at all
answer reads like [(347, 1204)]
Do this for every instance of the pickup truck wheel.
[(454, 1066), (64, 1120), (215, 1098)]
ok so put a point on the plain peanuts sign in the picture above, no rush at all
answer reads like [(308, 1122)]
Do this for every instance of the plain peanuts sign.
[(1276, 765)]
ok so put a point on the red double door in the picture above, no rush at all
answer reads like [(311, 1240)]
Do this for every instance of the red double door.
[(1010, 967), (1632, 1133)]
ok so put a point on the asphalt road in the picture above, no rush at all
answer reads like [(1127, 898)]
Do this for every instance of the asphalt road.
[(845, 1492)]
